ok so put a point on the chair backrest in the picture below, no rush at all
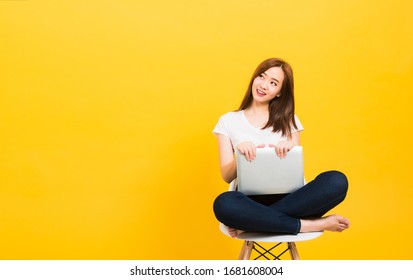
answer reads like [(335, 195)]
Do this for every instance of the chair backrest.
[(269, 174)]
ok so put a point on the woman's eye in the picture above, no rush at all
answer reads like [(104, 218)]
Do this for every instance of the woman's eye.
[(274, 84)]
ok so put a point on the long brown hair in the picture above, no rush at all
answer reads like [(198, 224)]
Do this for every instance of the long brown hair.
[(281, 109)]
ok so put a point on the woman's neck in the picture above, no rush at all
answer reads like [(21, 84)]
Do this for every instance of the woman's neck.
[(258, 109), (257, 115)]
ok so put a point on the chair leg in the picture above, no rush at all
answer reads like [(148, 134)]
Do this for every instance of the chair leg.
[(246, 250), (293, 251)]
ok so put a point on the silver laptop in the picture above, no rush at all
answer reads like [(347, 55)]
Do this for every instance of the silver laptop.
[(269, 174)]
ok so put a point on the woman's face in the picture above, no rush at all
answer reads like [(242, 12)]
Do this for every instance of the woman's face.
[(267, 85)]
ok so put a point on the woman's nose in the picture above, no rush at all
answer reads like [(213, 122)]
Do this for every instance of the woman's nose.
[(264, 84)]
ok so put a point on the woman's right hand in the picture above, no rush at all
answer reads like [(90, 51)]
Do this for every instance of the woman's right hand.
[(248, 149)]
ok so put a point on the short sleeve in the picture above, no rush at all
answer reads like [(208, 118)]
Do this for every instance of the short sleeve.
[(299, 125), (221, 128)]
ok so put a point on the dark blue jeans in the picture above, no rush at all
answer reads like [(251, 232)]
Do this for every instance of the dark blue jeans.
[(283, 214)]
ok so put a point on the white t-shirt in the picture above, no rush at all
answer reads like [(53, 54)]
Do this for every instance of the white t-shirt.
[(236, 126)]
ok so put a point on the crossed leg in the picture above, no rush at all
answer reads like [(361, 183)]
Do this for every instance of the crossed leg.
[(307, 204)]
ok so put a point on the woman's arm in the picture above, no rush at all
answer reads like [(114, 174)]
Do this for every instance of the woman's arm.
[(227, 163), (295, 137)]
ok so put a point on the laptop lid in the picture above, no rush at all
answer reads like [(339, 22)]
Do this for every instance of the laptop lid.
[(269, 174)]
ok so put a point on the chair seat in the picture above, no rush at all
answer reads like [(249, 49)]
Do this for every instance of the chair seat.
[(271, 237)]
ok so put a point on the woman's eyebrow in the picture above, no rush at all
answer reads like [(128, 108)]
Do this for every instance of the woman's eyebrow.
[(271, 77)]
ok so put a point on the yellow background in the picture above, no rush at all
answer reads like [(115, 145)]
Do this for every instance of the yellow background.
[(107, 107)]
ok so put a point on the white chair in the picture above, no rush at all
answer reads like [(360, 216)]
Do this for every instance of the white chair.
[(252, 239)]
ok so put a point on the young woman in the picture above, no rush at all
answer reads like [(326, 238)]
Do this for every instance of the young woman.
[(266, 118)]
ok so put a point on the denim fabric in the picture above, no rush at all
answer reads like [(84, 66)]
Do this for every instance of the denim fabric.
[(237, 210)]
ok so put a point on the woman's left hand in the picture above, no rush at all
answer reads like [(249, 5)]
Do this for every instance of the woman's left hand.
[(283, 147)]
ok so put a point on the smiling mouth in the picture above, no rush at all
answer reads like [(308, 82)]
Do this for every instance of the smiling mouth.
[(261, 93)]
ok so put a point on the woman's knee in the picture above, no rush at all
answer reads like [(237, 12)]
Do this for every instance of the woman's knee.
[(336, 181), (225, 204)]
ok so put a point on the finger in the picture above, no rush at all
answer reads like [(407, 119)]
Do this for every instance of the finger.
[(278, 151), (282, 153), (261, 146), (253, 152), (285, 151), (249, 153), (244, 151)]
